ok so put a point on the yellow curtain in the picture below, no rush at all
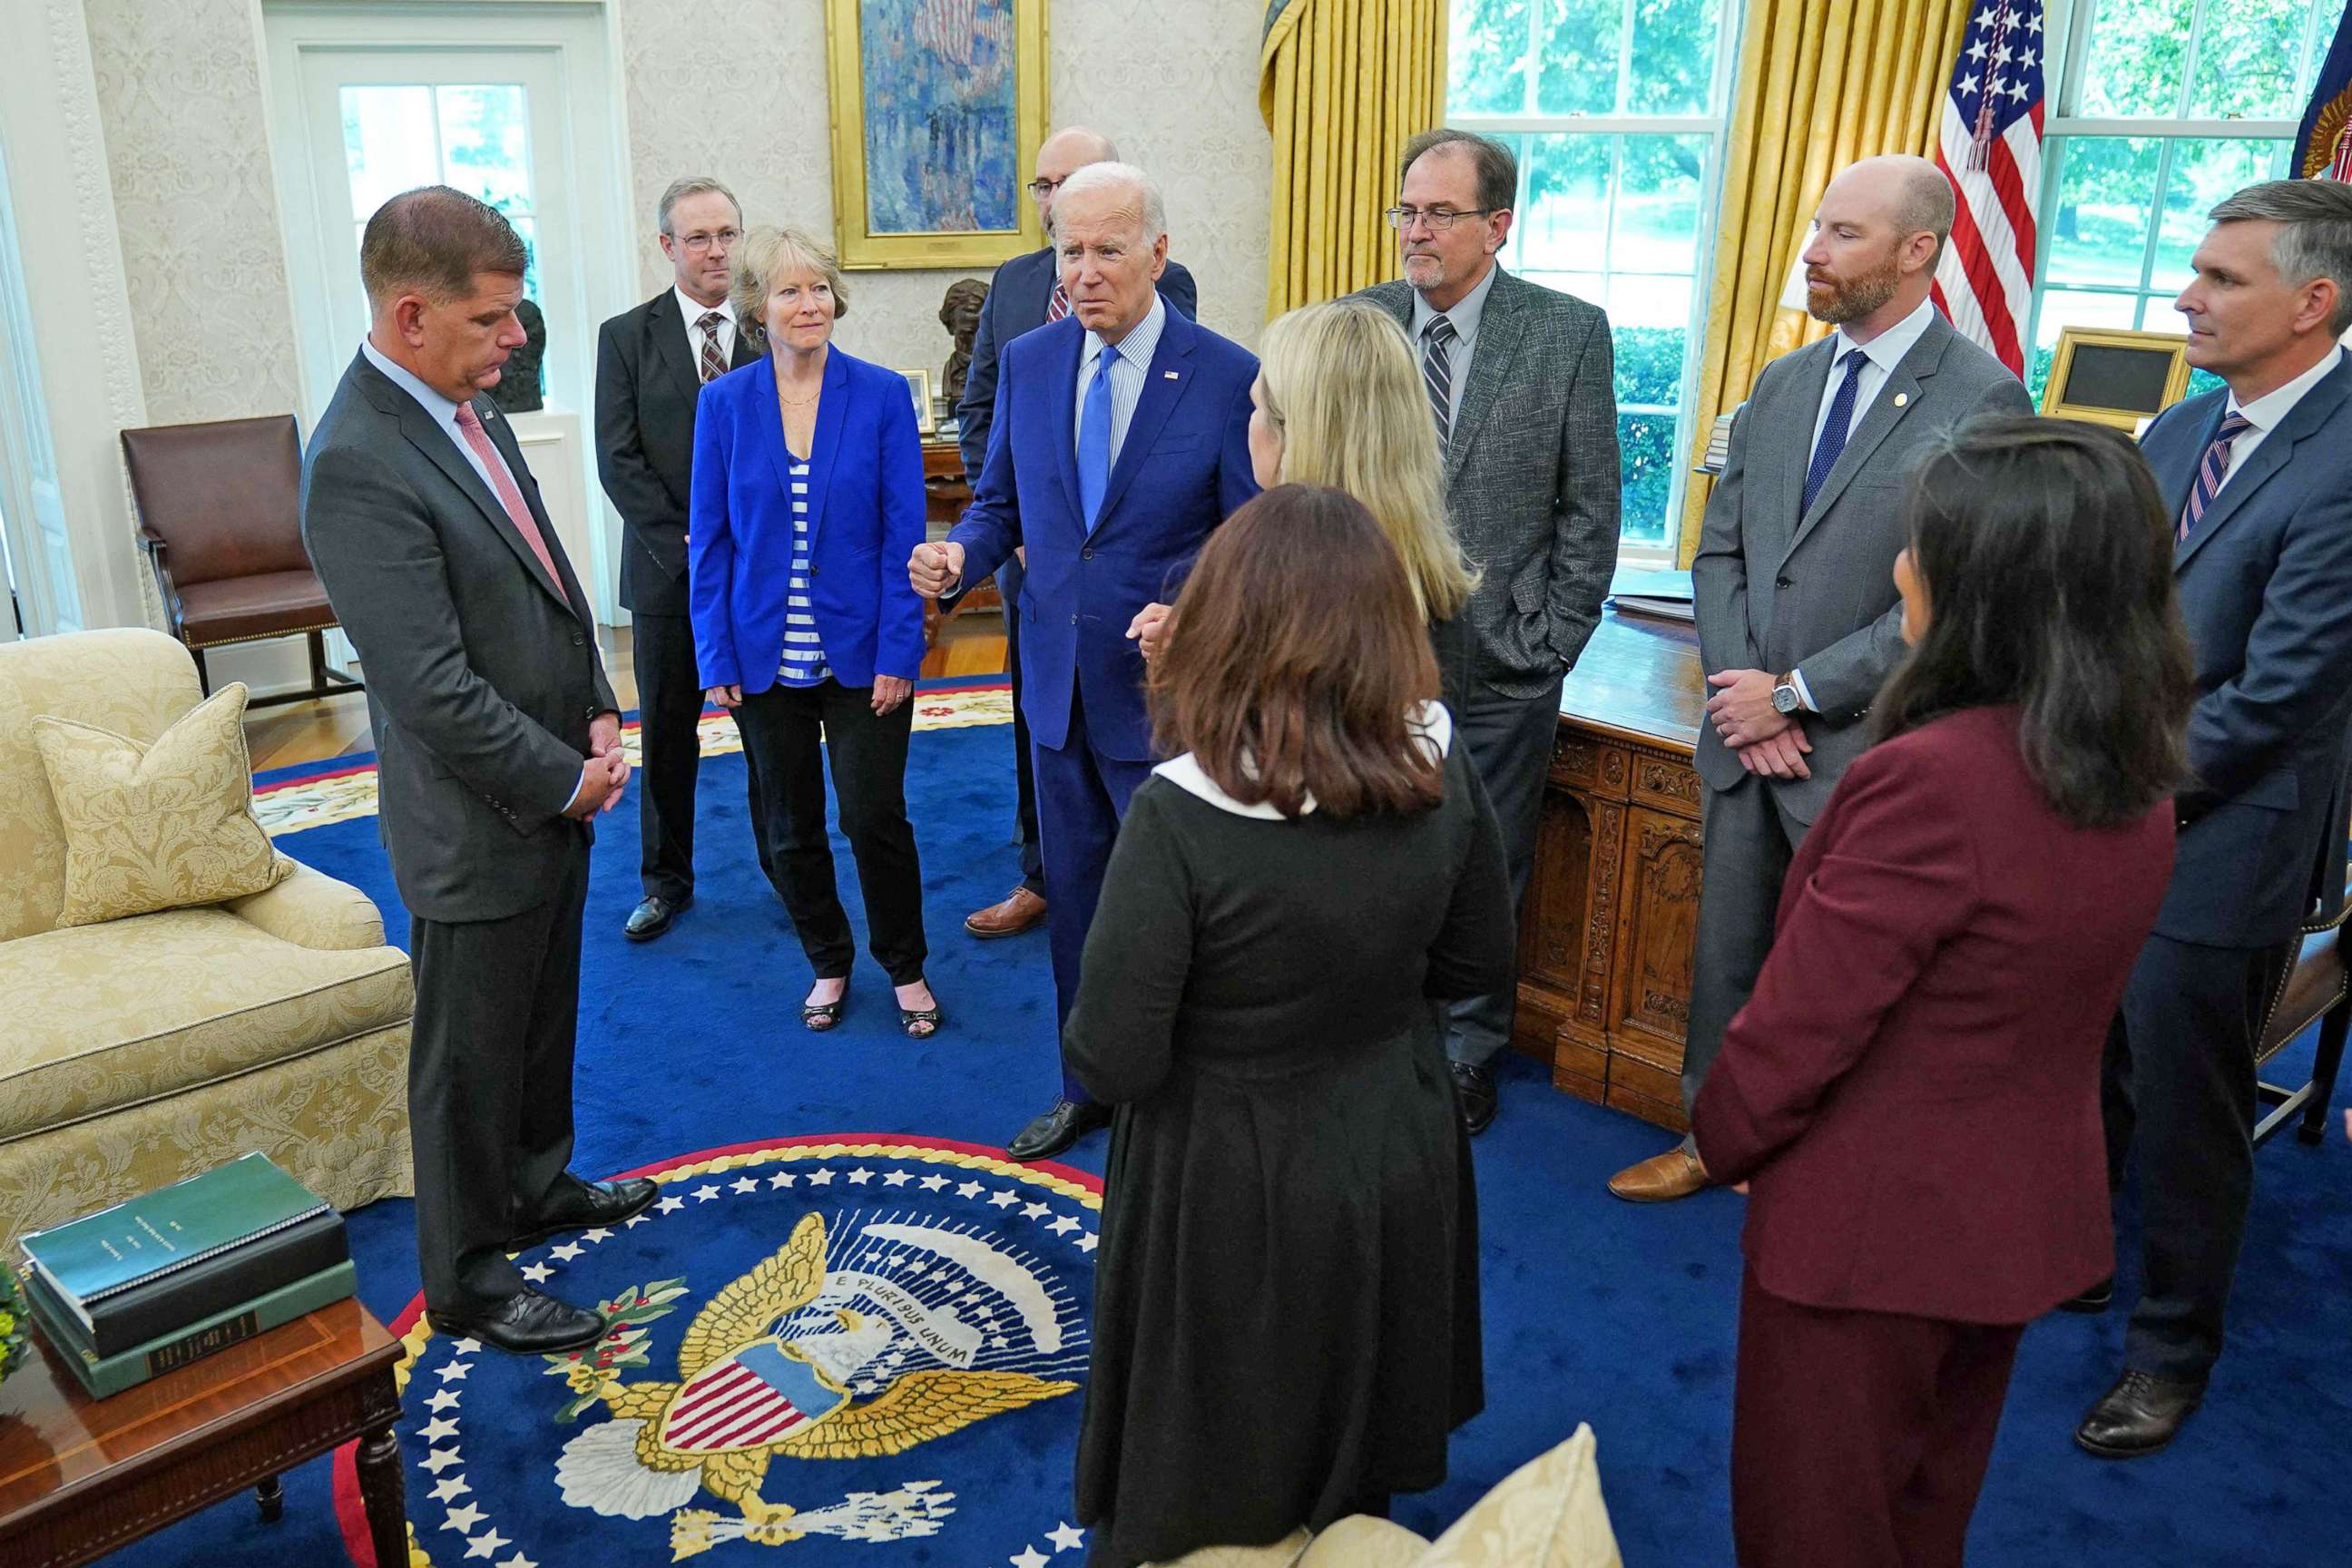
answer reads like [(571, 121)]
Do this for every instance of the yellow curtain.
[(1821, 84), (1342, 85)]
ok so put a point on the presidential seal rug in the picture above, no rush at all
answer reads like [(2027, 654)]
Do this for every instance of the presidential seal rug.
[(822, 1349)]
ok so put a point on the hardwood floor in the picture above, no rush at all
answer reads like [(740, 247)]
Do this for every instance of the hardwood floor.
[(968, 645)]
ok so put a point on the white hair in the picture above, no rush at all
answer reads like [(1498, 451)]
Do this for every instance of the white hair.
[(1127, 179)]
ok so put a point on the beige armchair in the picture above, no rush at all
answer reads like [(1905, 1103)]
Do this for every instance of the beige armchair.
[(1547, 1513), (137, 1052)]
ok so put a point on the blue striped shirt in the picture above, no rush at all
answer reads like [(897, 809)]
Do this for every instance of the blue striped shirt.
[(803, 662)]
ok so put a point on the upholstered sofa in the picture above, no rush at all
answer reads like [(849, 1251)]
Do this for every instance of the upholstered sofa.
[(138, 1051), (1547, 1513)]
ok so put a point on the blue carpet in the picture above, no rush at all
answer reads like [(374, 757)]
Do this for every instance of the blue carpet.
[(1595, 1310)]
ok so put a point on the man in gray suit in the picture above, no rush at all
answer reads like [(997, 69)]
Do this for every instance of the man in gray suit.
[(497, 740), (1798, 622), (1521, 387)]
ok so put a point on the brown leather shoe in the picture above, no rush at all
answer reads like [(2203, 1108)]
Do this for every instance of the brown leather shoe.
[(1021, 911), (1661, 1179)]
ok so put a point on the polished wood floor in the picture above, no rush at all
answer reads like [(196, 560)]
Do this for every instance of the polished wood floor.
[(968, 645)]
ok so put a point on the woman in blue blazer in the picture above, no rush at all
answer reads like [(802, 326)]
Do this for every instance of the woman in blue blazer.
[(807, 500)]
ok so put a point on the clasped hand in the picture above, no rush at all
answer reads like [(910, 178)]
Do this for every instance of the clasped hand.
[(604, 772), (1765, 741)]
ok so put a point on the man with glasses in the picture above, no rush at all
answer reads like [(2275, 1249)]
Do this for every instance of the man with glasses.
[(1025, 294), (1521, 391), (651, 364)]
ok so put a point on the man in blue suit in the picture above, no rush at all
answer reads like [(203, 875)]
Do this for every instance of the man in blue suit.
[(1121, 438), (2258, 481), (1025, 294)]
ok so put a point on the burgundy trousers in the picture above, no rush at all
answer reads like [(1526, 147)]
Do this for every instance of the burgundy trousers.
[(1860, 1440)]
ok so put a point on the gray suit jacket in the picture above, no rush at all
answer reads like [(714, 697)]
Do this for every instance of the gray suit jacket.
[(1532, 479), (1777, 590), (482, 677)]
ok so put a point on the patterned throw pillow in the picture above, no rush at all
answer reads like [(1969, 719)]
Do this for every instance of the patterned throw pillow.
[(159, 827)]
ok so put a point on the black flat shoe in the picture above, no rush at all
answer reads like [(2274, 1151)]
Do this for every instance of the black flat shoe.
[(587, 1204), (2139, 1415), (921, 1022), (1474, 1092), (1059, 1128), (528, 1322), (818, 1016), (2095, 1299), (654, 916)]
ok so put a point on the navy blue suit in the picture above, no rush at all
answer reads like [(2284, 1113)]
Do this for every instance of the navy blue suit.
[(2265, 585), (1184, 468), (1019, 296), (864, 493)]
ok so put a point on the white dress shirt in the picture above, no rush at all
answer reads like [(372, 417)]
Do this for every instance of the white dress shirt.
[(1128, 374), (2269, 411), (693, 310)]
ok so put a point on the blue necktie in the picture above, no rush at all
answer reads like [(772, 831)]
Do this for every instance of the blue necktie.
[(1835, 430), (1094, 439)]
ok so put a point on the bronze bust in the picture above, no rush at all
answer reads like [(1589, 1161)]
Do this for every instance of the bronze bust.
[(519, 389), (960, 314)]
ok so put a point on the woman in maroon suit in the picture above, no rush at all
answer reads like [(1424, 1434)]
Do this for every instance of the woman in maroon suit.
[(1912, 1091)]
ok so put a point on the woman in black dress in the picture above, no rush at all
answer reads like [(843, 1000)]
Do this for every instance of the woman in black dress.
[(1287, 1292)]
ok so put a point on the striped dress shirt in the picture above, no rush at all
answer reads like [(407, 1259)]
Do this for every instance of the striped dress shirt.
[(803, 662)]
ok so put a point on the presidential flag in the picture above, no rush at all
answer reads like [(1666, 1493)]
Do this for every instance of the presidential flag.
[(2322, 143), (1989, 147)]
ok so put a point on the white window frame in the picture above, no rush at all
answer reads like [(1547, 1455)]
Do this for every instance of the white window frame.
[(1716, 128)]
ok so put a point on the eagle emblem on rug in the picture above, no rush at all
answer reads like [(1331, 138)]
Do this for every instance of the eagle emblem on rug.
[(855, 1345)]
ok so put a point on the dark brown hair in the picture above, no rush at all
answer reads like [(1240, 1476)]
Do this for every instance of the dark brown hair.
[(432, 241), (1295, 656), (2047, 559)]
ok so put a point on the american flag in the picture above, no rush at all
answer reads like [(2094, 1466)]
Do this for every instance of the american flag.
[(1990, 149)]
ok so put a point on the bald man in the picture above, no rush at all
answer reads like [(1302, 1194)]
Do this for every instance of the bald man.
[(1025, 294), (1799, 623)]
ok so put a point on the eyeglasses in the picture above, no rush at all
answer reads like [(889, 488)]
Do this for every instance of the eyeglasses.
[(1439, 218), (1041, 189), (699, 243)]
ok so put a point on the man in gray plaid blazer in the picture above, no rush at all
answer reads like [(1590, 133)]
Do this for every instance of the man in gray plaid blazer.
[(1521, 381)]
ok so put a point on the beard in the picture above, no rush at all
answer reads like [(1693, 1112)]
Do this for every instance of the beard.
[(1850, 298)]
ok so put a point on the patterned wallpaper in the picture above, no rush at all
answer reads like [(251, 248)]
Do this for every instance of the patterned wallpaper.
[(186, 122), (179, 92)]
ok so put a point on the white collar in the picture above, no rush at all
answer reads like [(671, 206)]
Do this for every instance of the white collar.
[(1886, 350), (1430, 723), (692, 309), (2266, 412)]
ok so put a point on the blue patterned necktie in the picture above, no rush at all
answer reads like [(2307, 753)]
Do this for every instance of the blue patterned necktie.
[(1094, 439), (2211, 473), (1835, 429)]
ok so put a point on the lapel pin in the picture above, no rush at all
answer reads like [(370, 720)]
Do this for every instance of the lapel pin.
[(1169, 374), (1901, 398)]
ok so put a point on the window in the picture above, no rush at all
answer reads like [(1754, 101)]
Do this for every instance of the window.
[(476, 138), (1616, 109), (2165, 108)]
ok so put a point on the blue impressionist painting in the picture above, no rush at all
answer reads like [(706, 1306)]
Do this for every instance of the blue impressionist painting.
[(942, 145)]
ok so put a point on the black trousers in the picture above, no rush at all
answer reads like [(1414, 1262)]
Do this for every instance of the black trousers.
[(2180, 1101), (781, 727), (1510, 741), (1033, 859), (1751, 840), (489, 1083), (669, 713)]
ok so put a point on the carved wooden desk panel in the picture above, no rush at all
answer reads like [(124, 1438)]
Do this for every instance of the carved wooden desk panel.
[(1612, 904)]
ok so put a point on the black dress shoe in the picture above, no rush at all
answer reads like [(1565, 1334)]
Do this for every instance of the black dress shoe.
[(582, 1205), (528, 1322), (2098, 1298), (1055, 1130), (654, 916), (2140, 1415), (1474, 1091)]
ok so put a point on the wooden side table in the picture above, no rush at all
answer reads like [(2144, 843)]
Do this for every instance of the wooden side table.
[(81, 1476)]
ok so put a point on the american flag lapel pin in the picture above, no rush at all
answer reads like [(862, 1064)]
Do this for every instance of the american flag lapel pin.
[(1169, 374)]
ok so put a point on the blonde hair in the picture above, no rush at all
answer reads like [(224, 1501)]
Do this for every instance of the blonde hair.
[(1339, 383), (764, 253)]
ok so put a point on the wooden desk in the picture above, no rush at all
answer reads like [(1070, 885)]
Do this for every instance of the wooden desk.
[(946, 491), (79, 1476), (1612, 904)]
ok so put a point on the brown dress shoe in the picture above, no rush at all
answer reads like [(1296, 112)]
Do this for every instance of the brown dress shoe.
[(1021, 911), (1661, 1179)]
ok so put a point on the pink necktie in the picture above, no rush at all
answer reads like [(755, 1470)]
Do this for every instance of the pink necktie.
[(470, 423)]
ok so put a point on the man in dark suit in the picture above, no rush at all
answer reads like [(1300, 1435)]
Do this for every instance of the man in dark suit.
[(1520, 385), (651, 364), (1025, 294), (496, 740), (1798, 624), (2258, 481), (1121, 439)]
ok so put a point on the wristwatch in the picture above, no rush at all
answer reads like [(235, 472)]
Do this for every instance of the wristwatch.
[(1784, 694)]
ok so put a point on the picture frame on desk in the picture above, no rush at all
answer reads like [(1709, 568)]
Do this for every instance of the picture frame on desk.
[(919, 388), (2107, 375)]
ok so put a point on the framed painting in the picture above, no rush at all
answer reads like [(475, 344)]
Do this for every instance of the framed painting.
[(919, 388), (938, 109)]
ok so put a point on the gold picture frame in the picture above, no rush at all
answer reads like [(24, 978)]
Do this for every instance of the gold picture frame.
[(888, 216), (2107, 375), (919, 388)]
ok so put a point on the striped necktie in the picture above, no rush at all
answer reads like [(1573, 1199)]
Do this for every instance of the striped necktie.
[(1437, 375), (1059, 305), (2211, 473), (714, 363)]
